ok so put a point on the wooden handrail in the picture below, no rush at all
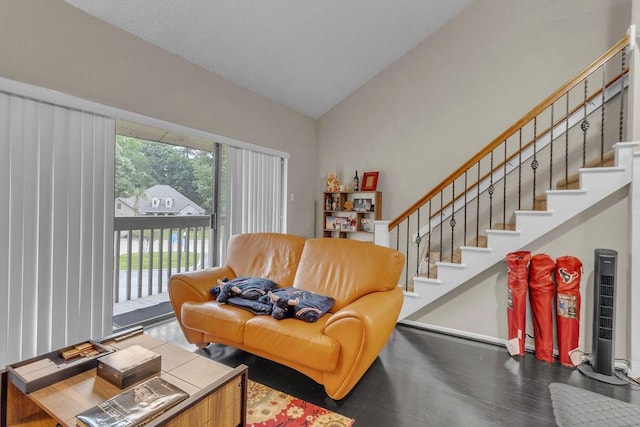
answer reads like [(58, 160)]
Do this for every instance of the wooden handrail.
[(528, 144), (513, 129)]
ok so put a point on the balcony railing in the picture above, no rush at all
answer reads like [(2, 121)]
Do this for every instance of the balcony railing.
[(149, 249)]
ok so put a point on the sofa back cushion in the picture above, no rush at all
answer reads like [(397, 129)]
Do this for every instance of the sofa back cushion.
[(347, 269), (272, 256)]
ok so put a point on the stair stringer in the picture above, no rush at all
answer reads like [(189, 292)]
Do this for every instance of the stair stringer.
[(562, 205)]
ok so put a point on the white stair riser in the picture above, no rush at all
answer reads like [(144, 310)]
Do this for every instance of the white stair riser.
[(596, 184)]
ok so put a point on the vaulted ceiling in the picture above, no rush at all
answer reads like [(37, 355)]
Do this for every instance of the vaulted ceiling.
[(305, 54)]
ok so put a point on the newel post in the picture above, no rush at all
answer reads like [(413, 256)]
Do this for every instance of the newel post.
[(381, 233)]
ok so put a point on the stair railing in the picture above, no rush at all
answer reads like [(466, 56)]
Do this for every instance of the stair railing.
[(554, 138)]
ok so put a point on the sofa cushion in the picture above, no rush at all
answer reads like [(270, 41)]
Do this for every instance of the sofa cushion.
[(215, 319), (293, 340), (347, 269), (273, 256)]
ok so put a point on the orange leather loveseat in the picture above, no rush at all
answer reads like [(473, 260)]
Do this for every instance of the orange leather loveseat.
[(334, 351)]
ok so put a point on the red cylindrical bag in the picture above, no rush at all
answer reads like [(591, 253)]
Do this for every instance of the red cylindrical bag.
[(517, 283), (568, 275), (541, 292)]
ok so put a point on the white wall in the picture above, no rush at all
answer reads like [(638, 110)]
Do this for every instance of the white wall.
[(51, 44), (431, 110)]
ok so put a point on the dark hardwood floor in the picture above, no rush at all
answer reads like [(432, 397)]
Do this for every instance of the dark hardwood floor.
[(423, 378)]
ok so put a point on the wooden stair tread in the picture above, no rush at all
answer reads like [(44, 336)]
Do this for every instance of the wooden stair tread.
[(607, 161)]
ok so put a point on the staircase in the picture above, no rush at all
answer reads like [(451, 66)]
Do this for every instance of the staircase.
[(566, 128), (589, 186)]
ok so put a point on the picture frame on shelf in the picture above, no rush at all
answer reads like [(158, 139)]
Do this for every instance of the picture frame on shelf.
[(366, 225), (362, 205), (369, 181)]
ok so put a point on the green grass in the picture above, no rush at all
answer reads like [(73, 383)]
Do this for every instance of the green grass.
[(135, 259)]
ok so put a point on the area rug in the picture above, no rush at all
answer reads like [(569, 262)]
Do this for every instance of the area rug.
[(267, 407)]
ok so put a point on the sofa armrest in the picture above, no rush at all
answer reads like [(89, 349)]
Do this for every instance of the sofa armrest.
[(194, 286), (362, 328)]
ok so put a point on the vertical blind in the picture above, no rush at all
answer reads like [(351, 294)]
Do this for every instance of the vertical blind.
[(255, 191), (56, 227)]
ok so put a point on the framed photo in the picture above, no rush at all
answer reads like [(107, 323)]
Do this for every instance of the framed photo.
[(362, 205), (367, 225), (369, 181)]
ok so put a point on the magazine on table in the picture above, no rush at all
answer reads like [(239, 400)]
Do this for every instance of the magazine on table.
[(135, 406)]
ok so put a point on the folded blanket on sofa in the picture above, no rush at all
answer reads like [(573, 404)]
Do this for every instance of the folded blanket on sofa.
[(250, 288), (254, 306), (293, 302)]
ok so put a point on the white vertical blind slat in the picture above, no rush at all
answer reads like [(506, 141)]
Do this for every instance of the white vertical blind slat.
[(60, 225), (45, 229), (15, 224), (74, 227), (254, 191), (56, 170), (5, 176), (30, 227), (103, 197)]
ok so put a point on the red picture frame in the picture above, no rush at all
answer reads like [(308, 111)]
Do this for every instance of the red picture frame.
[(369, 181)]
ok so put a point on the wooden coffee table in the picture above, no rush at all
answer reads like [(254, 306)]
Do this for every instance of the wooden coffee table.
[(217, 392)]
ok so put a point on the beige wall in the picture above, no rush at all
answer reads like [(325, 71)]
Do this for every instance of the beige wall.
[(431, 110), (51, 44)]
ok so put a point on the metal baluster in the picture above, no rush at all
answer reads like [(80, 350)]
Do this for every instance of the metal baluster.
[(187, 253), (504, 186), (140, 256), (478, 204), (566, 144), (622, 95), (452, 221), (604, 89), (150, 269), (429, 242), (441, 223), (170, 255), (418, 240), (534, 162), (116, 273), (520, 170), (195, 248), (491, 190), (551, 152), (406, 267), (202, 243), (465, 208), (160, 254), (584, 126), (179, 254), (129, 249)]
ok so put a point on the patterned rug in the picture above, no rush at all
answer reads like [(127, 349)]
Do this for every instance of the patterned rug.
[(267, 407)]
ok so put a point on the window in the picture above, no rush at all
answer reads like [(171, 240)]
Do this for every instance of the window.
[(155, 202), (168, 202)]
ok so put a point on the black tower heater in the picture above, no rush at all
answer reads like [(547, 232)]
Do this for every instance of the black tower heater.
[(602, 365)]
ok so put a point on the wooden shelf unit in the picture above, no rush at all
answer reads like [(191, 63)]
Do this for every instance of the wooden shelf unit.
[(356, 223)]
